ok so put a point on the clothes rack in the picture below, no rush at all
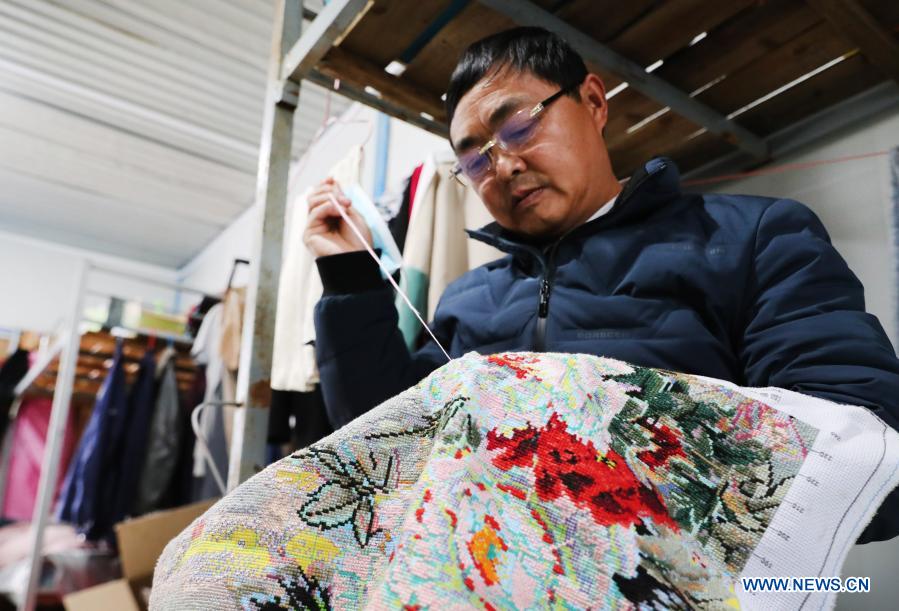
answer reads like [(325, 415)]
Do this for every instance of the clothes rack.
[(204, 443), (68, 350)]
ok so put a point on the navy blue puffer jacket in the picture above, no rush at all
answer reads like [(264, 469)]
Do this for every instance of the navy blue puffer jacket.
[(745, 289)]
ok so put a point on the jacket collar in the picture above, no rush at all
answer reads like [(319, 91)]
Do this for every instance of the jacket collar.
[(653, 185)]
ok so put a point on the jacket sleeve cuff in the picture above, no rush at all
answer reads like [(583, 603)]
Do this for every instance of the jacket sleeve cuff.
[(351, 272)]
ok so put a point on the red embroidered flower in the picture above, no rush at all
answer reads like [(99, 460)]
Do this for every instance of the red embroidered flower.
[(566, 465), (516, 363), (666, 442)]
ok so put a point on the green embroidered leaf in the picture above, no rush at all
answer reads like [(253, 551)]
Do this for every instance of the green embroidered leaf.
[(473, 434), (703, 444), (731, 452), (434, 423)]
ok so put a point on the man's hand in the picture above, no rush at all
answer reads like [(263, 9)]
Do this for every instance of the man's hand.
[(326, 231)]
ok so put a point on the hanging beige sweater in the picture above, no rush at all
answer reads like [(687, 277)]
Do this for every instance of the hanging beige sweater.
[(229, 350), (437, 250), (293, 358)]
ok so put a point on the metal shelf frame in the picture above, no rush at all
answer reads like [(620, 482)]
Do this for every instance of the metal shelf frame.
[(293, 58)]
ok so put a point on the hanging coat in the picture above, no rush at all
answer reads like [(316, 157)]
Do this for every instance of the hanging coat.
[(163, 445), (293, 353), (131, 450), (436, 251), (81, 501)]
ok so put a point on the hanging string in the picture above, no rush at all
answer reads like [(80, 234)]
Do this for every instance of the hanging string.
[(390, 279), (779, 169)]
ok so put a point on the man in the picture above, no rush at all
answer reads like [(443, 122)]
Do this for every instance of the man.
[(746, 289)]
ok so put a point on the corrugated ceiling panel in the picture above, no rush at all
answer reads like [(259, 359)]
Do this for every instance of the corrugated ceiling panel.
[(131, 127)]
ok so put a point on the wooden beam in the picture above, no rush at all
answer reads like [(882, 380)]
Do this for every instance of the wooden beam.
[(526, 13), (404, 19), (432, 67), (327, 30), (874, 41), (829, 89), (358, 94), (342, 64), (726, 50), (669, 27), (829, 119)]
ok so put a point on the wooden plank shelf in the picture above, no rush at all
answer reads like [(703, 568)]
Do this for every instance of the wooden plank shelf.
[(738, 52)]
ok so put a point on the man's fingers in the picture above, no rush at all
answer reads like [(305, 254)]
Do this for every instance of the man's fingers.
[(327, 188), (326, 200), (323, 192), (325, 224), (321, 213)]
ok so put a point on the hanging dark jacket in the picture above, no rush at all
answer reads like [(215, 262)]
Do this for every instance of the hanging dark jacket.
[(82, 500), (739, 288), (163, 444), (128, 455)]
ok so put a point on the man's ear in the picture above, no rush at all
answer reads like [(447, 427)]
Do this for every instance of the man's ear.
[(593, 94)]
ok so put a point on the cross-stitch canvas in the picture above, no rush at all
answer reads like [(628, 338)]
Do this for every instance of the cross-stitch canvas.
[(526, 481)]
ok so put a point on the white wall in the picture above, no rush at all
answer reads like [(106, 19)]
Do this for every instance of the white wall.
[(853, 201), (409, 146), (38, 282), (209, 270)]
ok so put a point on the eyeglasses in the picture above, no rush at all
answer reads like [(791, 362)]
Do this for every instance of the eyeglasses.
[(513, 136)]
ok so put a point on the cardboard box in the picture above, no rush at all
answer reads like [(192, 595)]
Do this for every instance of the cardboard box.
[(113, 595), (141, 541)]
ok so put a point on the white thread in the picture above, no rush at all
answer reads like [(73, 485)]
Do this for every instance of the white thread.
[(390, 279)]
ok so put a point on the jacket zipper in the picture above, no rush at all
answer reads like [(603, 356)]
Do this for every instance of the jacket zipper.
[(544, 298), (549, 269), (543, 304)]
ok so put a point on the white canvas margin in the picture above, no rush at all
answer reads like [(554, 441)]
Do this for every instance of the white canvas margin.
[(848, 472)]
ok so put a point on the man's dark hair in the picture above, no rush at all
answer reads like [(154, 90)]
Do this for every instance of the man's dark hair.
[(526, 49)]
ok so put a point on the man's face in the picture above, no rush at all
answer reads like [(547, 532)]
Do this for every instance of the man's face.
[(561, 176)]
